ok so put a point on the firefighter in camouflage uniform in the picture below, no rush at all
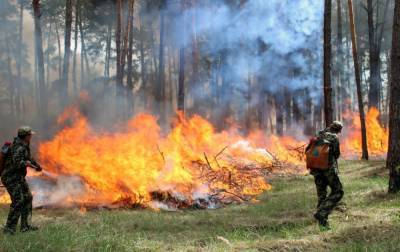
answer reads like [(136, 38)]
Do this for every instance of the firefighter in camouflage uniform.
[(13, 178), (328, 177)]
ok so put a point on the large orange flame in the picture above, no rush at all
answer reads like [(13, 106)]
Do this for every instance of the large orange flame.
[(191, 161), (377, 135), (138, 165)]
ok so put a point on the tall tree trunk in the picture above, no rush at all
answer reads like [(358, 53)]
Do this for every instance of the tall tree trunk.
[(374, 87), (125, 42), (196, 90), (308, 106), (341, 94), (349, 90), (63, 95), (48, 57), (83, 75), (11, 82), (160, 88), (393, 157), (108, 53), (288, 108), (328, 107), (379, 46), (18, 96), (181, 85), (279, 102), (59, 50), (40, 63), (74, 80), (130, 59), (358, 83), (120, 94), (389, 77), (142, 61), (85, 70), (118, 45)]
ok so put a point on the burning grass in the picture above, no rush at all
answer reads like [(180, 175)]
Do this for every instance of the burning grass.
[(138, 166), (280, 221), (192, 166)]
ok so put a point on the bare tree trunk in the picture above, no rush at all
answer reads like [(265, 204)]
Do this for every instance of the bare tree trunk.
[(18, 96), (328, 107), (393, 157), (142, 61), (120, 94), (374, 87), (11, 82), (181, 85), (108, 53), (40, 63), (279, 101), (308, 106), (341, 90), (125, 42), (288, 108), (59, 51), (160, 88), (74, 80), (82, 52), (389, 77), (379, 47), (119, 47), (130, 59), (84, 57), (48, 57), (63, 90), (358, 83), (196, 91), (348, 103)]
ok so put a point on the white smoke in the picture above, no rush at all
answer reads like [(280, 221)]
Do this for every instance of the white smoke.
[(290, 31)]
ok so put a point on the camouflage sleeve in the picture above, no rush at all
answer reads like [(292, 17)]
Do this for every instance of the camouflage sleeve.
[(33, 161), (336, 148), (19, 157)]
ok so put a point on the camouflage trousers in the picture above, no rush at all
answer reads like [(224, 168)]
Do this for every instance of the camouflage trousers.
[(323, 179), (21, 204)]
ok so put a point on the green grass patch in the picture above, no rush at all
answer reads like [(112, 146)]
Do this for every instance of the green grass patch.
[(280, 221)]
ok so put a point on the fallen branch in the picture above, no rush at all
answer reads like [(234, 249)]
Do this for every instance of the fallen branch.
[(161, 153), (219, 153), (234, 194), (208, 162)]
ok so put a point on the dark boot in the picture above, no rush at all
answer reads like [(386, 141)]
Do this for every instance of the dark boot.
[(29, 228), (322, 221), (26, 215), (8, 231), (12, 221)]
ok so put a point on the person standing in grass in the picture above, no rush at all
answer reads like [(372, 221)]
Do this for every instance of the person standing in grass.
[(326, 174), (18, 158)]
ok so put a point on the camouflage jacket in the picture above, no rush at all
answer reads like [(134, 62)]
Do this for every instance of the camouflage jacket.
[(334, 152), (15, 162)]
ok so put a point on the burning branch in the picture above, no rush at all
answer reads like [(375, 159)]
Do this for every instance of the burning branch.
[(161, 153), (219, 153), (208, 162)]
